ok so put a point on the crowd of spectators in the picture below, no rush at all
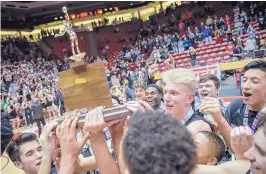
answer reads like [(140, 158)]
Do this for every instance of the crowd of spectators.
[(27, 74)]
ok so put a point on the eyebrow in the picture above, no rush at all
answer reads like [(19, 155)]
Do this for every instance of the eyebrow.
[(28, 152), (262, 152), (251, 78)]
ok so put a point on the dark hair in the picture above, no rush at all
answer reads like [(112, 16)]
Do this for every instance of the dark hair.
[(14, 146), (211, 77), (157, 143), (116, 98), (158, 88), (219, 146), (257, 64)]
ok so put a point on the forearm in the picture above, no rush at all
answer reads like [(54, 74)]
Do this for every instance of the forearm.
[(225, 131), (102, 155), (45, 167), (69, 164), (87, 164), (116, 140)]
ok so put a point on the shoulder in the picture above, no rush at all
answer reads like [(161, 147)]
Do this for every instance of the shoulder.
[(235, 105)]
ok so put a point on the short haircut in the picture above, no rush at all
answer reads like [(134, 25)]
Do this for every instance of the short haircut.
[(140, 84), (157, 143), (257, 64), (211, 77), (13, 149), (181, 75), (218, 148), (158, 88)]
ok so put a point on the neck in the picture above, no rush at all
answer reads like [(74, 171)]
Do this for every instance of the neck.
[(183, 112), (256, 107)]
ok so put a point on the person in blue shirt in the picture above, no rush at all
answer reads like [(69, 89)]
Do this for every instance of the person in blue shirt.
[(186, 43), (207, 34), (261, 21), (238, 52), (201, 28)]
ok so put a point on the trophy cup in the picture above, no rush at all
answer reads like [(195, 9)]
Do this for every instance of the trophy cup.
[(72, 36)]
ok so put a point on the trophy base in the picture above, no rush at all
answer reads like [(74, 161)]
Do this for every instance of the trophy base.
[(77, 57)]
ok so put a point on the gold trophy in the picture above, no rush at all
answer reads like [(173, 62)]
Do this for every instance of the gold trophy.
[(73, 37)]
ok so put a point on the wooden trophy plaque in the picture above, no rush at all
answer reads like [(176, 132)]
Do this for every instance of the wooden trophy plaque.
[(86, 88)]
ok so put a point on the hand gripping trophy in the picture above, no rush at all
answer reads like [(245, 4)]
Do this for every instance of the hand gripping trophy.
[(73, 37)]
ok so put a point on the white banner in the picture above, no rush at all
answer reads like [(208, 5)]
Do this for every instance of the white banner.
[(209, 69)]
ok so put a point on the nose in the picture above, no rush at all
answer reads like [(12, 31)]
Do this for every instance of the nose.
[(246, 85), (250, 155), (38, 155), (166, 98)]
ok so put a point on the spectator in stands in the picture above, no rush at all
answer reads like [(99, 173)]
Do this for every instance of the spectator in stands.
[(243, 16), (262, 42), (175, 48), (229, 34), (238, 26), (181, 45), (192, 54), (250, 46), (186, 43), (219, 39), (215, 22), (207, 34), (228, 21), (238, 53), (202, 27), (197, 31), (239, 41), (38, 114), (261, 21), (229, 48), (209, 21), (221, 24), (27, 112), (251, 31), (200, 38)]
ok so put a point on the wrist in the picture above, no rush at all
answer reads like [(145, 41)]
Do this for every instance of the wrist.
[(96, 137)]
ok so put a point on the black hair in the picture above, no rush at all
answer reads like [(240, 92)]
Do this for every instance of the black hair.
[(219, 146), (157, 143), (257, 64), (14, 146), (158, 88), (116, 98)]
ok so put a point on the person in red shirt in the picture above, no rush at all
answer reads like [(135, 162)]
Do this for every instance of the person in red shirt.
[(219, 39), (228, 21), (230, 48)]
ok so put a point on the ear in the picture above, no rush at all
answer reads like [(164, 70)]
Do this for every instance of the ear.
[(161, 96), (191, 98), (212, 161), (218, 91), (18, 164)]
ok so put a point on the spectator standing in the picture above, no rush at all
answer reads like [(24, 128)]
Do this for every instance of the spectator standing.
[(250, 46), (181, 45), (38, 114), (207, 34), (261, 21), (192, 55)]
